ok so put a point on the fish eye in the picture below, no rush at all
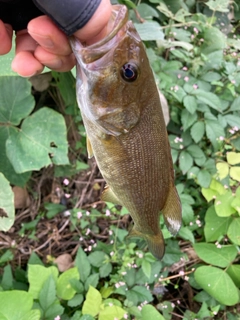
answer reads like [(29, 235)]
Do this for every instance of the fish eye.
[(129, 72)]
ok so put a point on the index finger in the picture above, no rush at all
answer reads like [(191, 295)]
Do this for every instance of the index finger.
[(43, 30), (5, 38)]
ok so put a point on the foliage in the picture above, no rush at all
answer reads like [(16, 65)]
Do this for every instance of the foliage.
[(196, 61)]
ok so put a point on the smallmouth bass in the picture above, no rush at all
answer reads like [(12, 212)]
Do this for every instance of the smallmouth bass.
[(126, 132)]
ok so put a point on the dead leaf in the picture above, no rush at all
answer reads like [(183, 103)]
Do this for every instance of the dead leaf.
[(21, 197), (64, 262)]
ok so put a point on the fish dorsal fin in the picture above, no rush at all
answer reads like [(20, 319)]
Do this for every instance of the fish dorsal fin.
[(109, 196), (155, 242), (89, 149), (172, 211)]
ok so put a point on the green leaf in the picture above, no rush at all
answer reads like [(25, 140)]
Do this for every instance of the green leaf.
[(209, 98), (195, 151), (5, 165), (187, 119), (16, 101), (7, 278), (190, 103), (41, 140), (234, 272), (96, 258), (149, 30), (146, 267), (235, 105), (233, 158), (211, 76), (85, 317), (22, 302), (185, 161), (218, 284), (197, 131), (47, 295), (235, 173), (215, 226), (7, 210), (214, 130), (186, 234), (64, 289), (37, 275), (204, 178), (105, 270), (112, 312), (142, 293), (220, 257), (219, 5), (92, 280), (233, 231), (223, 204), (222, 170), (232, 120), (54, 310), (150, 313), (92, 303), (83, 265), (214, 40), (76, 301)]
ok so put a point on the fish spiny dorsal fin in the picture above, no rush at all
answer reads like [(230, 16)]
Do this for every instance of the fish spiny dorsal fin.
[(172, 211), (155, 242), (108, 196)]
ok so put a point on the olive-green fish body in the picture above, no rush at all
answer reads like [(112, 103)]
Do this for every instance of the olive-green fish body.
[(126, 132)]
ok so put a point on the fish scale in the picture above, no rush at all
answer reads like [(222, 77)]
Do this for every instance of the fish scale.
[(126, 130)]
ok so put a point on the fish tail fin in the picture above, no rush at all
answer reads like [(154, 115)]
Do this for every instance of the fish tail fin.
[(172, 211), (155, 242)]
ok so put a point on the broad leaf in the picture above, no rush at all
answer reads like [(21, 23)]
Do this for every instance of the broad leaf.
[(223, 204), (7, 210), (92, 303), (233, 231), (197, 131), (37, 275), (149, 313), (185, 161), (111, 312), (41, 141), (16, 101), (215, 226), (209, 98), (83, 264), (190, 103), (220, 257), (64, 289), (149, 30), (218, 284), (17, 305)]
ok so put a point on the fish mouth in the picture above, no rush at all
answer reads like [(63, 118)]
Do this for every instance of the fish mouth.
[(95, 51)]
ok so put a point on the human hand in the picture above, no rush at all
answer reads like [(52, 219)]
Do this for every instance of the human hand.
[(44, 44)]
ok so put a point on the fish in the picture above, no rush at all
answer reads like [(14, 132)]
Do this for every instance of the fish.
[(126, 133)]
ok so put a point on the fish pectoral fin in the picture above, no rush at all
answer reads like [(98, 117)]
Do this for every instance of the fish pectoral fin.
[(172, 211), (109, 196), (155, 242), (89, 149)]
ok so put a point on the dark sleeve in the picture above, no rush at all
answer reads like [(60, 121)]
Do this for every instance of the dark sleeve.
[(69, 15), (18, 13)]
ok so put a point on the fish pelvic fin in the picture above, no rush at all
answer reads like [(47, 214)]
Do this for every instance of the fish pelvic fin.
[(109, 196), (155, 242), (89, 149), (172, 211)]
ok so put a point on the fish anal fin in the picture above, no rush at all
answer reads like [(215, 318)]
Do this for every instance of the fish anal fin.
[(155, 242), (89, 149), (109, 196), (172, 211)]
